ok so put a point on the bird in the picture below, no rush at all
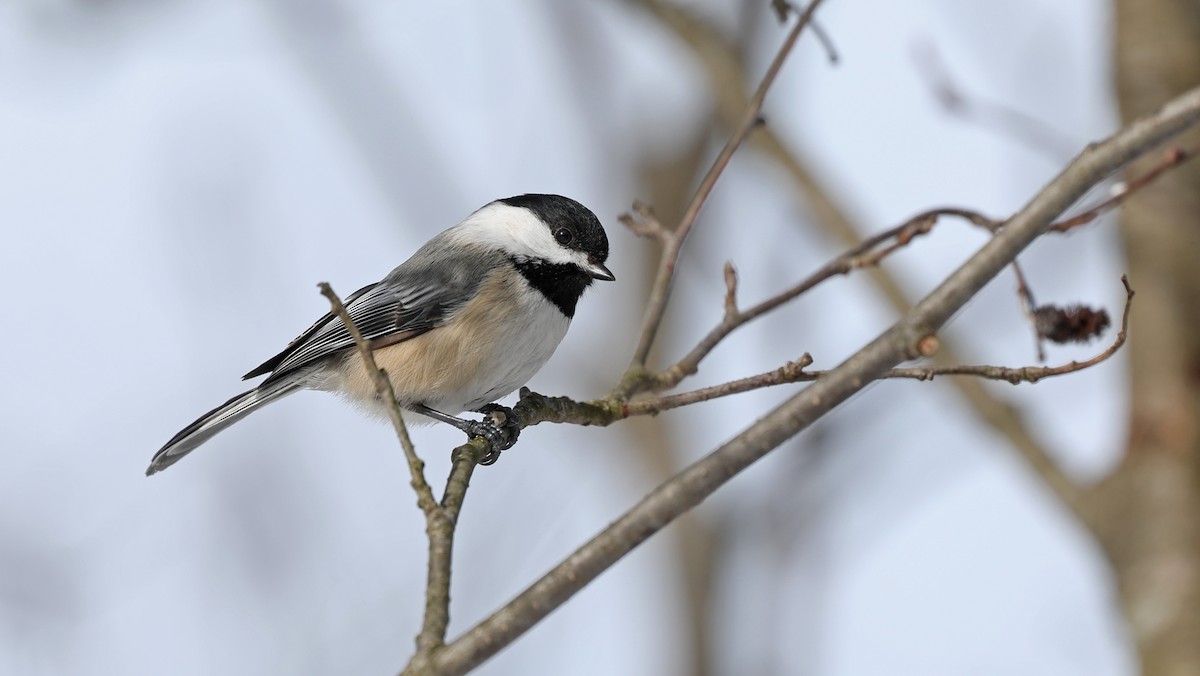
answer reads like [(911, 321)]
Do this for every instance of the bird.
[(468, 319)]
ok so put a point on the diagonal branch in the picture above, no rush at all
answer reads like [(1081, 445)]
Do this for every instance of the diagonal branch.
[(901, 341), (383, 388), (723, 62), (1172, 158)]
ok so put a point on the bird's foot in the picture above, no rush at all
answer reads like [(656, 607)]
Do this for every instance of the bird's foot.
[(500, 426)]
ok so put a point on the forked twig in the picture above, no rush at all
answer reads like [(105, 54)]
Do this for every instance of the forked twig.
[(440, 518), (673, 240)]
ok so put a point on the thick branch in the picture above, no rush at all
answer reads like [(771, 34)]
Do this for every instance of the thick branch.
[(898, 343)]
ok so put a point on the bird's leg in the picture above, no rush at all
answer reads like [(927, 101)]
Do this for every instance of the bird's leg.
[(500, 434)]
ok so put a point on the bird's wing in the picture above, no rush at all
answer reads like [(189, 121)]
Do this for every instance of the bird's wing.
[(273, 363), (411, 300)]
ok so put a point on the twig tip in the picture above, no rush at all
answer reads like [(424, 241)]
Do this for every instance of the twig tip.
[(731, 284)]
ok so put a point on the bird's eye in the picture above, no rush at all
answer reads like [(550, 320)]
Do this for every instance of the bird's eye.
[(563, 236)]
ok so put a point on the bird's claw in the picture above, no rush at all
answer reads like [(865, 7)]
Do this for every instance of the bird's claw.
[(500, 427)]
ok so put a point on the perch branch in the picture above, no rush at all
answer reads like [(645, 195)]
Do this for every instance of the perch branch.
[(440, 518), (383, 389), (537, 408)]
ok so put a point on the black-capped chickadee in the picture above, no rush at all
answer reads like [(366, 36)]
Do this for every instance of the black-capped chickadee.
[(472, 316)]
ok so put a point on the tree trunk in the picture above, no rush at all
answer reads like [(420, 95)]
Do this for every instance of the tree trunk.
[(1147, 513)]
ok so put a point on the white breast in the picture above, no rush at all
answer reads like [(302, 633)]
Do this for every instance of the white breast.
[(522, 344)]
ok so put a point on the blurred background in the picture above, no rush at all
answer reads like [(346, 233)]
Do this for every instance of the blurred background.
[(176, 177)]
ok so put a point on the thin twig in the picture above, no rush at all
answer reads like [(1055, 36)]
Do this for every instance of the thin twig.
[(673, 244), (793, 372), (1028, 305), (868, 253), (1173, 157), (383, 389), (643, 223), (1026, 374), (601, 412), (784, 9)]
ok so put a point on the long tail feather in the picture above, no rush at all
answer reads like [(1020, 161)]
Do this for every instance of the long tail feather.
[(218, 419)]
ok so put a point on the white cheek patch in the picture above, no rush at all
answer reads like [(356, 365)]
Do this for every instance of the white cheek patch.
[(515, 231)]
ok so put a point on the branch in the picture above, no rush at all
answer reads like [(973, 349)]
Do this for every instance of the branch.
[(1173, 157), (901, 341), (793, 372), (1029, 308), (673, 240), (724, 64), (441, 526), (1026, 374), (872, 251), (440, 519), (867, 254), (383, 388), (537, 408)]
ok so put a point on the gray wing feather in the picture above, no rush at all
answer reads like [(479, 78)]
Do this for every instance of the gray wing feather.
[(272, 363), (420, 295)]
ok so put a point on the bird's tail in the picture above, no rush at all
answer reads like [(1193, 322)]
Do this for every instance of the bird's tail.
[(218, 419)]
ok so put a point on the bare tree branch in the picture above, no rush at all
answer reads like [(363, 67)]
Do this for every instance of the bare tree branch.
[(383, 388), (725, 66), (441, 527), (673, 241), (537, 408), (1172, 157), (440, 518), (904, 340), (1000, 415)]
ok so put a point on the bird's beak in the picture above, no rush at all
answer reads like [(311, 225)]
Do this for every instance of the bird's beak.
[(598, 271)]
